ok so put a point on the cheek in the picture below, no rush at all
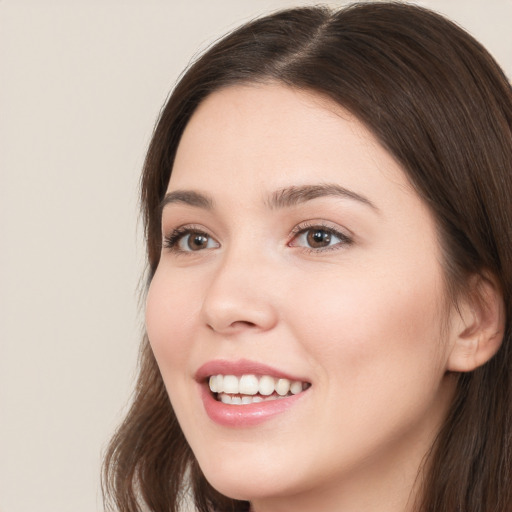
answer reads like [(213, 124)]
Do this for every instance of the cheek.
[(171, 311), (372, 323), (378, 357)]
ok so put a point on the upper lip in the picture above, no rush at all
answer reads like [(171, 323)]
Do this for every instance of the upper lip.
[(241, 367)]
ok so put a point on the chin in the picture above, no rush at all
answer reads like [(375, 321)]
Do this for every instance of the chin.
[(246, 483)]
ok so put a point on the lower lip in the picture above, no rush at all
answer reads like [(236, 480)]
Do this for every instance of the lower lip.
[(245, 415)]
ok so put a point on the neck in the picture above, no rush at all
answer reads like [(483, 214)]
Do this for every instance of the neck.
[(394, 491)]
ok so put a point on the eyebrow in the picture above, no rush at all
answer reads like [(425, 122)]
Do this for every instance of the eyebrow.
[(292, 196), (283, 198), (188, 197)]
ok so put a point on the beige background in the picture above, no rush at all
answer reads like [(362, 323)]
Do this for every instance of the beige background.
[(81, 83)]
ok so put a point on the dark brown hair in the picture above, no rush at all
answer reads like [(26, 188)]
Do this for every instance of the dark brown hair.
[(438, 102)]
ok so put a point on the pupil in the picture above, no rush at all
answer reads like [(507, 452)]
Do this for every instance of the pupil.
[(319, 238), (197, 241)]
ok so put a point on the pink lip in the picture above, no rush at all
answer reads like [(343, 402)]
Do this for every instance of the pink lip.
[(241, 367), (242, 415)]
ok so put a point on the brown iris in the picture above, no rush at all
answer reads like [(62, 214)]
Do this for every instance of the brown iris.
[(318, 238), (197, 241)]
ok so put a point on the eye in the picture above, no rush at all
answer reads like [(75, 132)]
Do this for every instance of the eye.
[(189, 240), (319, 238)]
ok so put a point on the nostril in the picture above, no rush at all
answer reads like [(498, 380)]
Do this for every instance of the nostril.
[(243, 323), (238, 324)]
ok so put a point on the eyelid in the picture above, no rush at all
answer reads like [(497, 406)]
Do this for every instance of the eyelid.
[(345, 235), (172, 238)]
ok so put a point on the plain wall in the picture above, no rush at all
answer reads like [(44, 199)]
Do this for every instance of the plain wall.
[(81, 84)]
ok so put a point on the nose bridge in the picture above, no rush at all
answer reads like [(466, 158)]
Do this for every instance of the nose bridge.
[(239, 295)]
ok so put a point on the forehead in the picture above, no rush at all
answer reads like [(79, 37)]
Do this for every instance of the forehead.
[(255, 137)]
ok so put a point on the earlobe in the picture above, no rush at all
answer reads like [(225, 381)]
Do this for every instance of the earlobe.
[(478, 331)]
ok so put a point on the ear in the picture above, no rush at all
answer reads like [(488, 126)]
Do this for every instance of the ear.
[(478, 331)]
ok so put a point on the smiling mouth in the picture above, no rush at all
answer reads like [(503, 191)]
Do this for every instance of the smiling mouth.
[(249, 389)]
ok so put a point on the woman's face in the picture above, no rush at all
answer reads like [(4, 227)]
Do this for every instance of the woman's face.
[(298, 261)]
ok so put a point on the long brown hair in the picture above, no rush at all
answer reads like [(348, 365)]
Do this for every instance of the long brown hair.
[(439, 103)]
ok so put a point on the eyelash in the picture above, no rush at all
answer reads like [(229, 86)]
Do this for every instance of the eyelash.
[(172, 240), (345, 239)]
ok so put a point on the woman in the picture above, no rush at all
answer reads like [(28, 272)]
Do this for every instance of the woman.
[(330, 274)]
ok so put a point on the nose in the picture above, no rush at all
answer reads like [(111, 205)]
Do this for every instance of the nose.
[(241, 296)]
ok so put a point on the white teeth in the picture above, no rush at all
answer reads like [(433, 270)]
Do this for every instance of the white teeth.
[(219, 382), (237, 400), (282, 387), (267, 385), (251, 385), (213, 383), (296, 387), (248, 385), (225, 399), (230, 384)]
